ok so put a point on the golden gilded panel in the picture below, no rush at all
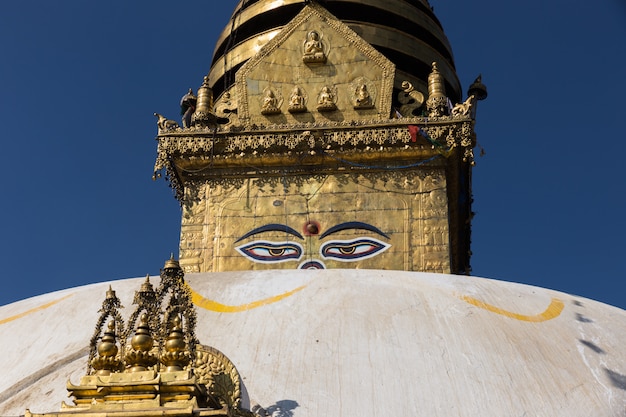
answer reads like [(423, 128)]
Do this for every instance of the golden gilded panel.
[(333, 221), (316, 69)]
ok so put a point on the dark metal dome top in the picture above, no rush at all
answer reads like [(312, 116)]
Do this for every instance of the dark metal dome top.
[(406, 31)]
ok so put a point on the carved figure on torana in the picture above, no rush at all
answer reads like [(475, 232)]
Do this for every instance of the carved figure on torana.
[(313, 49)]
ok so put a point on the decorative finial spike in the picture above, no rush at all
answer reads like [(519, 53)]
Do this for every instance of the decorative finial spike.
[(107, 360), (110, 293), (171, 263), (176, 355), (437, 102), (139, 358), (146, 287)]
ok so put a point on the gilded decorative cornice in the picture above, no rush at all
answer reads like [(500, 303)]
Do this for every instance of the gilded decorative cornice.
[(191, 153)]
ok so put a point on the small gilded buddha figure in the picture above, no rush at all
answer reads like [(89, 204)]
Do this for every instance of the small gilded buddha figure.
[(363, 99), (326, 100), (313, 49), (296, 101), (270, 103)]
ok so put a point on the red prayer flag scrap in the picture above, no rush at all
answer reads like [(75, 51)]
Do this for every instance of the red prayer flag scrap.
[(413, 131)]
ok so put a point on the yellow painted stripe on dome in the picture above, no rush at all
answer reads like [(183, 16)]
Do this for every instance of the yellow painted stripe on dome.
[(32, 310), (211, 305), (554, 310)]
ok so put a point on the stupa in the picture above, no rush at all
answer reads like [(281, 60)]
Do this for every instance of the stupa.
[(324, 170)]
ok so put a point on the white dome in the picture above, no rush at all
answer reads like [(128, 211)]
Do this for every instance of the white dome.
[(353, 343)]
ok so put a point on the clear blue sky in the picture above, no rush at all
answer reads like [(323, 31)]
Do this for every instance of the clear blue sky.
[(79, 81)]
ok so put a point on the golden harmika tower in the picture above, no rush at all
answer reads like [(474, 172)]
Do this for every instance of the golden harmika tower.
[(325, 136)]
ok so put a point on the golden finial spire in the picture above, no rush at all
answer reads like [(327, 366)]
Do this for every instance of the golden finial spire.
[(176, 296), (139, 358), (110, 307), (176, 356), (171, 263), (145, 297), (107, 360), (110, 293), (204, 104), (146, 286), (437, 102)]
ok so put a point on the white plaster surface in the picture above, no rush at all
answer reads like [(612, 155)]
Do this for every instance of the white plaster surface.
[(354, 343)]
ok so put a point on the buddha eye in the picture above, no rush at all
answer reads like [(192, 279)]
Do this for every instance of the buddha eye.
[(353, 250), (267, 252)]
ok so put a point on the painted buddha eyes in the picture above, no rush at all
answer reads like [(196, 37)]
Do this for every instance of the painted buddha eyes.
[(339, 250), (352, 250), (261, 251)]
